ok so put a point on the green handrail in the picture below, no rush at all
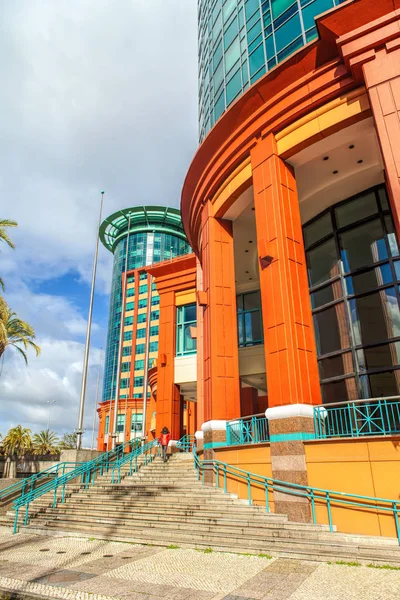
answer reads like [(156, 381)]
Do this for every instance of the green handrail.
[(86, 471), (375, 416), (22, 484), (186, 443), (247, 430), (313, 494), (132, 458)]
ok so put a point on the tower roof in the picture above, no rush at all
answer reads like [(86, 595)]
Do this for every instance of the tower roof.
[(161, 219)]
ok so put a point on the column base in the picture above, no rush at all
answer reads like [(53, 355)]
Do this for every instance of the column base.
[(289, 426), (214, 433)]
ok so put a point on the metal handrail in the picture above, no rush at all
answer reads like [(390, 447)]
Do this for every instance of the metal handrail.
[(357, 419), (32, 479), (86, 471), (313, 494), (186, 443), (247, 430), (132, 458)]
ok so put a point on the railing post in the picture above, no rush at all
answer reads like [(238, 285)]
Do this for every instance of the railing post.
[(267, 496), (396, 520), (313, 514), (217, 475), (225, 488), (249, 488), (16, 519), (26, 514), (328, 505)]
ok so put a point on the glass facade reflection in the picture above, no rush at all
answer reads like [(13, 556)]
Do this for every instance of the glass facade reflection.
[(354, 275), (240, 40), (249, 319)]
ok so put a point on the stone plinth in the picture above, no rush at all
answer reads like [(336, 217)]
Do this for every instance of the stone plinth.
[(289, 426)]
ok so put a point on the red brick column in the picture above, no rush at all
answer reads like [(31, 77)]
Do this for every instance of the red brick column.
[(220, 343)]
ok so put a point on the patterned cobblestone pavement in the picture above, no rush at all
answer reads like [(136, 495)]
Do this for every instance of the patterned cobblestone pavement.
[(87, 569)]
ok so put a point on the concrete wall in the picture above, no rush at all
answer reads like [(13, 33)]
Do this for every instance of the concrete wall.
[(29, 465)]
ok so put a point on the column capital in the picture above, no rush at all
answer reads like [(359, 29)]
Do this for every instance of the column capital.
[(216, 425), (288, 411)]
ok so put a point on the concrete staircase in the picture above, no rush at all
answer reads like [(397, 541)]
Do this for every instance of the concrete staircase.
[(165, 504)]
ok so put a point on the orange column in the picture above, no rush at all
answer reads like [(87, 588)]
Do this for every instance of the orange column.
[(220, 343), (382, 79), (199, 407), (290, 352), (168, 396)]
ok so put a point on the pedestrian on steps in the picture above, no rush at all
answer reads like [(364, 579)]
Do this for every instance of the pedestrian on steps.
[(164, 440)]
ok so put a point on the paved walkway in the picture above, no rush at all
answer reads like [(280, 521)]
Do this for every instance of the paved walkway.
[(88, 569)]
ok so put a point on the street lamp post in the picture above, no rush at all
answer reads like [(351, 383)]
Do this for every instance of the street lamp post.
[(80, 430)]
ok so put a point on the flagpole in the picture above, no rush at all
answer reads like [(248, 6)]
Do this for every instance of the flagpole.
[(80, 430), (96, 401), (121, 340)]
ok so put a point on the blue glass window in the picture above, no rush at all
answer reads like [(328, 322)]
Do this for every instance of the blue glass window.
[(138, 382), (314, 9), (127, 336), (185, 322), (256, 60), (139, 365), (120, 423), (127, 351), (125, 383), (126, 366), (107, 424), (140, 348), (153, 347), (140, 333), (143, 289), (130, 292), (154, 330), (137, 419), (288, 32), (233, 87), (128, 321), (230, 34), (249, 319), (130, 306)]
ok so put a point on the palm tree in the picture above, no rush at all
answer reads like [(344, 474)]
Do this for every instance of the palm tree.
[(15, 332), (17, 441), (45, 442), (4, 238), (3, 234), (68, 441)]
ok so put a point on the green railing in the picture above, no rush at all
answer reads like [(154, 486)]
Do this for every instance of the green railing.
[(133, 458), (247, 430), (86, 472), (29, 482), (316, 496), (185, 444), (378, 416)]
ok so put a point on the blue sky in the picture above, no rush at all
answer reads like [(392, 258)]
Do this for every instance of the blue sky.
[(93, 98)]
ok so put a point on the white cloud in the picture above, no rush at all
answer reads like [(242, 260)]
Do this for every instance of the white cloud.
[(27, 393), (96, 94)]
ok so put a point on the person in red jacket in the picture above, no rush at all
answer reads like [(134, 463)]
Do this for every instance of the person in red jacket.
[(164, 440)]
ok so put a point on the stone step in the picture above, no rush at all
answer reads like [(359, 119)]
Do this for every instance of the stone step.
[(266, 544), (251, 521)]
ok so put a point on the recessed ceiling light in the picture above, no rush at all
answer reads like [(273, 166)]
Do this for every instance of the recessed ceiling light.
[(250, 278), (335, 172), (246, 250), (247, 271), (351, 146), (250, 241), (253, 208), (360, 161), (326, 158)]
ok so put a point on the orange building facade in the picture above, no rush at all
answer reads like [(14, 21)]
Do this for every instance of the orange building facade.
[(292, 208)]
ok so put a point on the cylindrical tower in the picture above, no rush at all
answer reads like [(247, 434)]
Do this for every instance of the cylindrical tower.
[(155, 235), (240, 40)]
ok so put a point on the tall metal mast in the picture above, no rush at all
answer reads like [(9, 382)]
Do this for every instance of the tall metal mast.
[(80, 430)]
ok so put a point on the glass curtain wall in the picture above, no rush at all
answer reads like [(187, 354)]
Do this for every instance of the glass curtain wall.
[(354, 274), (240, 40)]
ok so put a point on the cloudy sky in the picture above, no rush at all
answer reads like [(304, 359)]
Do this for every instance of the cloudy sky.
[(96, 94)]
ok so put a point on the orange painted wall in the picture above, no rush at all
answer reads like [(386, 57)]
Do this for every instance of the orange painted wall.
[(256, 459), (368, 467)]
